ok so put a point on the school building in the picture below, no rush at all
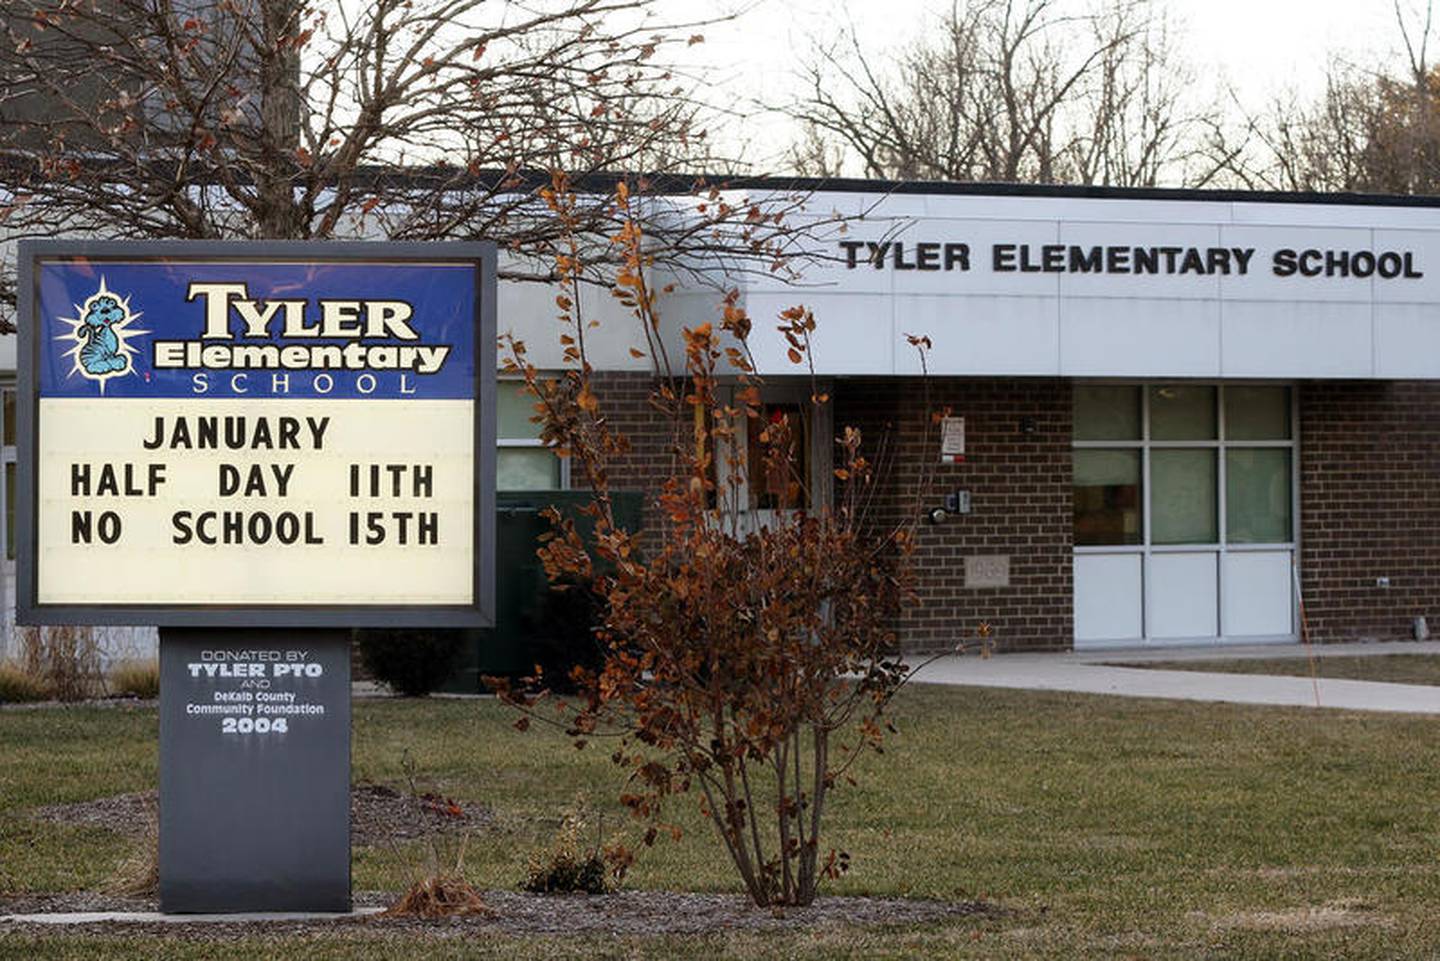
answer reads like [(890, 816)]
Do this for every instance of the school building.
[(1186, 417)]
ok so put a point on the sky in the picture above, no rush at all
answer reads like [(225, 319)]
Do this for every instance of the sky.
[(1259, 47)]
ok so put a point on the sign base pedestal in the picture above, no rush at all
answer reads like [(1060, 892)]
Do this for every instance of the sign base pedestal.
[(254, 770)]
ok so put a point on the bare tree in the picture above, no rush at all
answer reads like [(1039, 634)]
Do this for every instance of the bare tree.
[(1011, 90), (408, 119), (1374, 129)]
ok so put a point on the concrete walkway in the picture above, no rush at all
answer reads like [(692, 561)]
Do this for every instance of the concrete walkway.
[(155, 917), (1092, 673)]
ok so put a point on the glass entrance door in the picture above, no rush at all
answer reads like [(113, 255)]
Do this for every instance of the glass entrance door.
[(1184, 513)]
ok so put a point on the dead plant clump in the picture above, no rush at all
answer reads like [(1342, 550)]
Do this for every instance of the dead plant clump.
[(439, 888), (65, 658), (438, 896), (138, 876), (139, 679)]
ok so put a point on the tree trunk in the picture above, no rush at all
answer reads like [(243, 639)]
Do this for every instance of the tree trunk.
[(279, 75)]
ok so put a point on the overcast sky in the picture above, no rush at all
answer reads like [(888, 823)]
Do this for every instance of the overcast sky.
[(1259, 46)]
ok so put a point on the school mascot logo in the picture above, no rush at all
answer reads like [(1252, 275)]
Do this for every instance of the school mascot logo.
[(101, 331)]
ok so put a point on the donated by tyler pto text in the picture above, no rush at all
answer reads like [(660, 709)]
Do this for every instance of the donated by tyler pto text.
[(253, 706)]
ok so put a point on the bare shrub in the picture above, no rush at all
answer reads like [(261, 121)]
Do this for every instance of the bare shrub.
[(66, 658), (571, 866), (438, 887), (750, 664)]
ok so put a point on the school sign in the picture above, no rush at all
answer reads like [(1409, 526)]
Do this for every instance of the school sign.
[(276, 434)]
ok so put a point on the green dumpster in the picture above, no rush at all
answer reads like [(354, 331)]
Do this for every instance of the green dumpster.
[(531, 620)]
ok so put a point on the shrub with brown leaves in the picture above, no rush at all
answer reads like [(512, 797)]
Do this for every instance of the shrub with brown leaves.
[(750, 664)]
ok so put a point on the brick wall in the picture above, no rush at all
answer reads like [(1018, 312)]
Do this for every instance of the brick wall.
[(1020, 484), (625, 402), (1369, 507), (1370, 500)]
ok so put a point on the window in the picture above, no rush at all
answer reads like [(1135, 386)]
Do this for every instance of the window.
[(523, 462), (1182, 496), (1257, 496), (1183, 464), (1107, 413), (1107, 497)]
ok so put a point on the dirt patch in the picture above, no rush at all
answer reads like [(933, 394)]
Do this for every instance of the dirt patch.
[(129, 814), (629, 913), (1335, 914), (379, 814)]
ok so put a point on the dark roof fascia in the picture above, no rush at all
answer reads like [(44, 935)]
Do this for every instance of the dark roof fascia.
[(982, 189), (453, 178), (681, 183)]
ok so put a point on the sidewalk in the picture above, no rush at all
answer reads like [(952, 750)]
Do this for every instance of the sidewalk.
[(1090, 673)]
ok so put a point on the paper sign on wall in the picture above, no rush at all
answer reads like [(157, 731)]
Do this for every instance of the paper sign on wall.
[(952, 440)]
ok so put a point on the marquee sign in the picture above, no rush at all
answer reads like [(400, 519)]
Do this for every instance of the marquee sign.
[(260, 434)]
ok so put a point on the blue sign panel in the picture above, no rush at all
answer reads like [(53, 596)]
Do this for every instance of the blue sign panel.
[(179, 329)]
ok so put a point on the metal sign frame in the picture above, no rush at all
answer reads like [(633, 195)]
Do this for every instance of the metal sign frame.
[(479, 613)]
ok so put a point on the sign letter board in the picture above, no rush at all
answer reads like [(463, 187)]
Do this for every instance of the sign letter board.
[(256, 434)]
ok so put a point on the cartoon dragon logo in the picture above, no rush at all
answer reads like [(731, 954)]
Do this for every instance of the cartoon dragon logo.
[(100, 331)]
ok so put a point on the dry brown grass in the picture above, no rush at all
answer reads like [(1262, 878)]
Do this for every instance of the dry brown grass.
[(137, 679), (438, 896), (138, 876), (19, 686), (1344, 913)]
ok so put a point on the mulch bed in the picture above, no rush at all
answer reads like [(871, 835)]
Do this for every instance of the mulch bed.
[(379, 814), (383, 814), (626, 914)]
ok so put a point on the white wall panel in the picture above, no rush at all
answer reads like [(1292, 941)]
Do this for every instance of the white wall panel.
[(1258, 593), (529, 311), (1108, 592), (1331, 215), (980, 279), (979, 335), (852, 336), (1297, 339), (1262, 283), (1110, 209), (1182, 595), (1407, 340), (1139, 338), (1425, 245), (1186, 286)]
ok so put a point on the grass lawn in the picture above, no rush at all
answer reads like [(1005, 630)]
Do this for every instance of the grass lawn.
[(1392, 668), (1106, 827)]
